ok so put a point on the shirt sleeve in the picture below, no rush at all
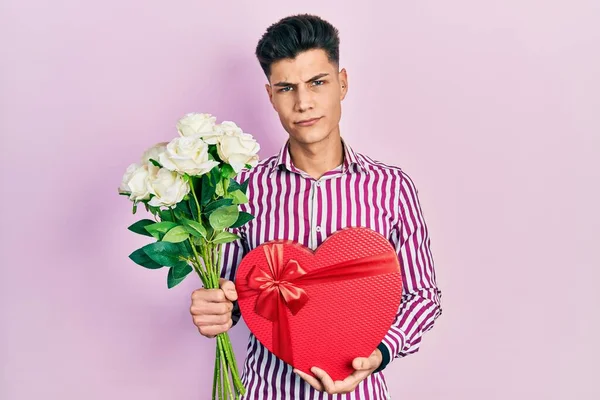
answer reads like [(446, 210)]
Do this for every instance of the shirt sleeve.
[(232, 255), (420, 305)]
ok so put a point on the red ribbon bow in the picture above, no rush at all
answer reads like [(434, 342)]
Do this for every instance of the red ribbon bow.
[(282, 287)]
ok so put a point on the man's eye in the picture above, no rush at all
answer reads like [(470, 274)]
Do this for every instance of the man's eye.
[(318, 83), (284, 89)]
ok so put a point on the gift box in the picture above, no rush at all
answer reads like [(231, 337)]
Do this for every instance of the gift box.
[(325, 307)]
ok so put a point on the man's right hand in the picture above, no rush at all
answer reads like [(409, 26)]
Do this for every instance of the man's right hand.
[(211, 308)]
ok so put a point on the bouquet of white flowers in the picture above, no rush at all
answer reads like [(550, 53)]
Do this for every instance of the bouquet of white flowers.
[(188, 185)]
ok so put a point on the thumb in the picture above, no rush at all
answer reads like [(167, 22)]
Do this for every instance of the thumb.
[(361, 364), (228, 288)]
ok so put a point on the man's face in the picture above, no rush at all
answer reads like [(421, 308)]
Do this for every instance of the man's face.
[(306, 88)]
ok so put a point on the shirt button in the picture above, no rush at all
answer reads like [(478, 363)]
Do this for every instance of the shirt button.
[(318, 229), (318, 183)]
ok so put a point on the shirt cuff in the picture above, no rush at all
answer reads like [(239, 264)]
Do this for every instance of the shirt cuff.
[(385, 353)]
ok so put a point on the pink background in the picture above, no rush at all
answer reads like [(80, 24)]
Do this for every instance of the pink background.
[(491, 107)]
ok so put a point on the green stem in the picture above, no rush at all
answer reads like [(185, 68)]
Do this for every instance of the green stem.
[(225, 187), (219, 248), (232, 362), (208, 262), (236, 376), (228, 392), (220, 384), (197, 260), (215, 380), (195, 198)]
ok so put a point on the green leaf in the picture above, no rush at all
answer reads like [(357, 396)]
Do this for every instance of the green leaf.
[(140, 257), (244, 185), (180, 271), (138, 227), (195, 228), (217, 204), (197, 182), (179, 215), (167, 253), (156, 163), (165, 215), (152, 209), (176, 235), (225, 237), (209, 229), (227, 171), (243, 218), (238, 197), (194, 212), (219, 191), (184, 208), (215, 174), (171, 280), (208, 189), (187, 249), (248, 166), (159, 229), (234, 185), (224, 217), (212, 150)]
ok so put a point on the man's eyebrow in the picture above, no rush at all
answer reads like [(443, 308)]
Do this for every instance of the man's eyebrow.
[(314, 78)]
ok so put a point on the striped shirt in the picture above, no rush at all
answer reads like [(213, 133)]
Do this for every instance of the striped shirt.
[(287, 203)]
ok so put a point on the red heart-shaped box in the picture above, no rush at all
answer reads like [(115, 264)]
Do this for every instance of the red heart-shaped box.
[(321, 308)]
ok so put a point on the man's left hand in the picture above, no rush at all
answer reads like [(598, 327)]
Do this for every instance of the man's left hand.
[(363, 366)]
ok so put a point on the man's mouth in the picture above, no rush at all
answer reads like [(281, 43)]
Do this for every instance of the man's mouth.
[(308, 122)]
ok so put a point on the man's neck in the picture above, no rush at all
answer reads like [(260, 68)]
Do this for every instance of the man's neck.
[(317, 158)]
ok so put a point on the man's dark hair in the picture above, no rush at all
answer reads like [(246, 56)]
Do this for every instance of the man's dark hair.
[(294, 34)]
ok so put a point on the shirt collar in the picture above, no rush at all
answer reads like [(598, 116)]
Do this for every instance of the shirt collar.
[(350, 159)]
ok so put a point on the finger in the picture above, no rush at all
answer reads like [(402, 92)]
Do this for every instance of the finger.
[(228, 288), (214, 330), (214, 295), (204, 308), (330, 386), (362, 364), (311, 380), (211, 319), (354, 379)]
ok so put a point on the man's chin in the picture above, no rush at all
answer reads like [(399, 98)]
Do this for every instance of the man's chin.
[(307, 136)]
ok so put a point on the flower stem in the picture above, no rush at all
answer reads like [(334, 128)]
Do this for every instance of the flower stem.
[(217, 371), (203, 274), (220, 346), (220, 377), (214, 280), (236, 379), (195, 198)]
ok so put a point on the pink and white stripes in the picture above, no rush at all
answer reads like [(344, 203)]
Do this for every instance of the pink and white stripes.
[(289, 204)]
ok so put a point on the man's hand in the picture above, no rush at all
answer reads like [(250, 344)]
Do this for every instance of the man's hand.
[(363, 366), (211, 308)]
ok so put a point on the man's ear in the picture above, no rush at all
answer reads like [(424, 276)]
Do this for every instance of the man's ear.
[(343, 78), (270, 94)]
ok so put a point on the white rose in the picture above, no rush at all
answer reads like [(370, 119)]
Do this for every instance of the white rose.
[(154, 152), (224, 128), (135, 182), (168, 187), (124, 187), (194, 124), (187, 155), (238, 150), (228, 128)]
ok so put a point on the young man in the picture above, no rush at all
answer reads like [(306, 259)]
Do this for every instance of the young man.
[(316, 185)]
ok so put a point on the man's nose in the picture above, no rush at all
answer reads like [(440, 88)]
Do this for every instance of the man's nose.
[(304, 99)]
